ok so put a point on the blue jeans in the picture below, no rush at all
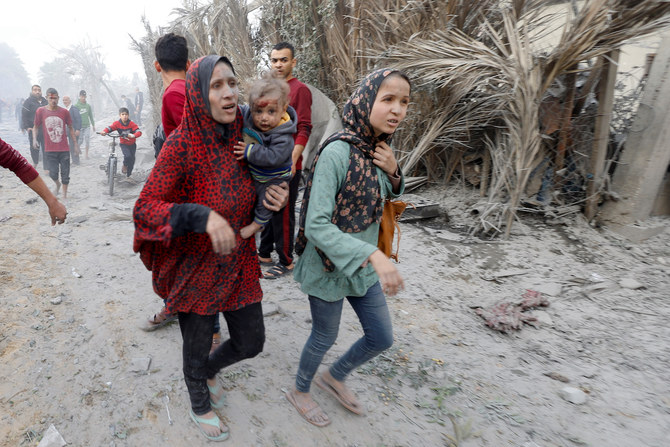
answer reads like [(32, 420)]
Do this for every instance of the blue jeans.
[(373, 314)]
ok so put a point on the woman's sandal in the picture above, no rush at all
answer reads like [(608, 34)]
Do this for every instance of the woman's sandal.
[(308, 413), (353, 406), (217, 391), (277, 271), (158, 321), (214, 422)]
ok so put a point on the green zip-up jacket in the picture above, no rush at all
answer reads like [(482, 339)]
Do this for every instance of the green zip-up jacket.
[(86, 114)]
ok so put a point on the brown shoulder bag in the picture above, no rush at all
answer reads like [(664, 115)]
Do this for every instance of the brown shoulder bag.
[(393, 209)]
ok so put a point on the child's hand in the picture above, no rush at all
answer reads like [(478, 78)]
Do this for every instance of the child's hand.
[(385, 159), (389, 277), (239, 150), (103, 133), (131, 135)]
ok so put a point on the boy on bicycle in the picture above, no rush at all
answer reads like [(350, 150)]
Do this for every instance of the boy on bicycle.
[(129, 132)]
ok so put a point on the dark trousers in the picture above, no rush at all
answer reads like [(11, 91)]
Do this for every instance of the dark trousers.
[(34, 150), (247, 336), (129, 157), (279, 233), (56, 162)]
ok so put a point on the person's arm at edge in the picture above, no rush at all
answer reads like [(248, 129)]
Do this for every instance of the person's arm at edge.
[(57, 210)]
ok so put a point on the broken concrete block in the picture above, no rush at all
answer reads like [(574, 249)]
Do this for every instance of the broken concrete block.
[(140, 364), (51, 438), (573, 395)]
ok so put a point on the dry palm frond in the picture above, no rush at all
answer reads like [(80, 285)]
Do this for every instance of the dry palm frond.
[(220, 27), (477, 78), (498, 63), (145, 47)]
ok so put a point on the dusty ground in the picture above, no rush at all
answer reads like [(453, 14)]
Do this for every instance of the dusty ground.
[(73, 364)]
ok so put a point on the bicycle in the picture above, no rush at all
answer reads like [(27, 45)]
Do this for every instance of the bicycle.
[(110, 167)]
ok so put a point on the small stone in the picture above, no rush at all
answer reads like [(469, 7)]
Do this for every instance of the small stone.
[(573, 395), (56, 301), (630, 283), (140, 364)]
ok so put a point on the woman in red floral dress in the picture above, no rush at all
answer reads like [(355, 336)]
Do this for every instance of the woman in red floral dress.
[(187, 222)]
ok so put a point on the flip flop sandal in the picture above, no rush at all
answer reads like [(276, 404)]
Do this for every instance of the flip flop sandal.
[(217, 390), (277, 271), (158, 321), (307, 413), (214, 422), (354, 408)]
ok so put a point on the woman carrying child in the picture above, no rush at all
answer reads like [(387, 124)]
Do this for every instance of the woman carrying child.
[(187, 223), (339, 226)]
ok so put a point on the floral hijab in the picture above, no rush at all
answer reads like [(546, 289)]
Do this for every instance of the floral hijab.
[(358, 203)]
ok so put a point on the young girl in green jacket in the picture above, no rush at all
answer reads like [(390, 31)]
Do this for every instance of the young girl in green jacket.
[(339, 225)]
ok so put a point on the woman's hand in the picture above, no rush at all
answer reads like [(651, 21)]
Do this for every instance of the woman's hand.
[(389, 277), (276, 197), (221, 234), (239, 150), (385, 159)]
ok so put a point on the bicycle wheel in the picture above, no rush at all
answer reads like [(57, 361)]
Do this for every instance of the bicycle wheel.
[(111, 173)]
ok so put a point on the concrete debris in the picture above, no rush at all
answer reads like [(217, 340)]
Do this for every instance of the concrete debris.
[(51, 438), (630, 283), (140, 364), (573, 395)]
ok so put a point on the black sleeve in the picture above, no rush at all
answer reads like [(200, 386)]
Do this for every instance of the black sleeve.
[(188, 218)]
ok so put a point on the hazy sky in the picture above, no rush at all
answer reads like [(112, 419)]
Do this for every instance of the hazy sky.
[(36, 29)]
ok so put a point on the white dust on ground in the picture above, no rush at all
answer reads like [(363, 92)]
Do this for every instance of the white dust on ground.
[(71, 364)]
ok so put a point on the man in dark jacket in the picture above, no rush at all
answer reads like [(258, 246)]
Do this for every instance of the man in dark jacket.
[(30, 106), (76, 125)]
